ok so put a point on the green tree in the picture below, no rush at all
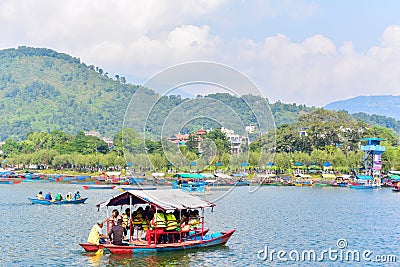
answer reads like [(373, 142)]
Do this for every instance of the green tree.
[(221, 141), (89, 144), (387, 134), (10, 148)]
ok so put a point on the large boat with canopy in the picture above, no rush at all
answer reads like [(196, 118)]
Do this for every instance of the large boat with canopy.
[(164, 201)]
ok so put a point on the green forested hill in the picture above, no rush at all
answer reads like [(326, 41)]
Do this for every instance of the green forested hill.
[(42, 90)]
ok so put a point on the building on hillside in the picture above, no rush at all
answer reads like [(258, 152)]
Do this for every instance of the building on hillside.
[(179, 138), (93, 133), (200, 132), (237, 141), (109, 142), (303, 132), (250, 129)]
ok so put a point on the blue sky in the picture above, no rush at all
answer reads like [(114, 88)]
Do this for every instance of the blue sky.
[(307, 52)]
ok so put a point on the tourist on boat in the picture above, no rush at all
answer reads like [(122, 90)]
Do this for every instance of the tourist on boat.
[(48, 196), (96, 236), (40, 195), (68, 197), (157, 224), (117, 234), (77, 195), (147, 217), (171, 225), (126, 218), (137, 219), (185, 227), (59, 197), (148, 213), (171, 222), (194, 219), (113, 219)]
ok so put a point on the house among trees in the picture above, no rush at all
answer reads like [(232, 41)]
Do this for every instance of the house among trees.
[(109, 142), (238, 142), (179, 138)]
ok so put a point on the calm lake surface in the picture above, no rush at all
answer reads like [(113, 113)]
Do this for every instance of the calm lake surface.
[(272, 218)]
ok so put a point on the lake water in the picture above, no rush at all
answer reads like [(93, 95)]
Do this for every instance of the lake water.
[(290, 219)]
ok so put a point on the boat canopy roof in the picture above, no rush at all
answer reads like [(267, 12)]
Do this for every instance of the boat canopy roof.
[(168, 199), (394, 176), (189, 175), (365, 177)]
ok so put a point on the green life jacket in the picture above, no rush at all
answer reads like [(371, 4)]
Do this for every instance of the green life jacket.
[(171, 222), (159, 220)]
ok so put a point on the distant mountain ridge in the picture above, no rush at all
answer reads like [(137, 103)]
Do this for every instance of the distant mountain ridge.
[(384, 105)]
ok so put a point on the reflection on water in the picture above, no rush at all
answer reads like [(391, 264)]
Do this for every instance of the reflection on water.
[(143, 260), (283, 217)]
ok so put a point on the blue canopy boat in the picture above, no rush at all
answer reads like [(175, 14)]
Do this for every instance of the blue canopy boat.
[(190, 182), (166, 201), (51, 202), (364, 182)]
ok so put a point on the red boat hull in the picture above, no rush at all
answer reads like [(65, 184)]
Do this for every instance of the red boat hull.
[(207, 241), (90, 247)]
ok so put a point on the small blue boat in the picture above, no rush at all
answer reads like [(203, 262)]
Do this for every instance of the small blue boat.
[(50, 202), (190, 182), (364, 182), (363, 186), (242, 183)]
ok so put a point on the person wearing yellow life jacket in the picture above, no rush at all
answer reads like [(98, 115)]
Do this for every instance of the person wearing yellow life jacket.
[(68, 196), (171, 225), (137, 218), (171, 222), (125, 218), (194, 219), (40, 195), (158, 224), (158, 220)]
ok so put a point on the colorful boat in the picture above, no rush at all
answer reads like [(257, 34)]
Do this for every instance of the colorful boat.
[(190, 182), (88, 247), (166, 201), (321, 184), (51, 202), (96, 186), (364, 182), (363, 186), (242, 183), (10, 181), (91, 247), (303, 183), (208, 240)]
